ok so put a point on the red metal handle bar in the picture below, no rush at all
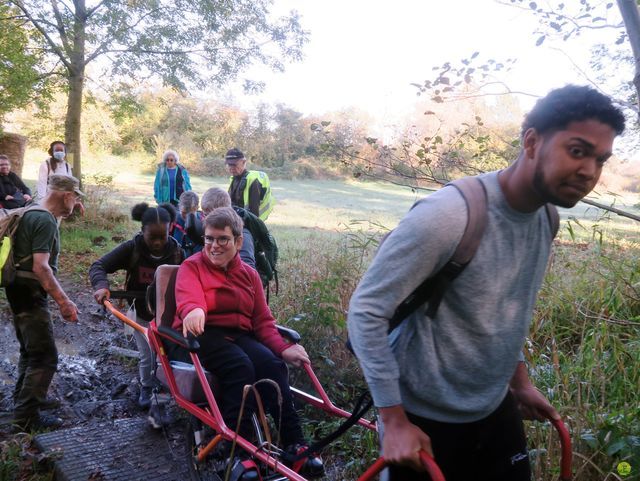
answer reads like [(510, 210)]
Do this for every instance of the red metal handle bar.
[(428, 462), (567, 453)]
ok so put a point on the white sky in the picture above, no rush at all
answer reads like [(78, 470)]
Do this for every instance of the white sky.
[(366, 53)]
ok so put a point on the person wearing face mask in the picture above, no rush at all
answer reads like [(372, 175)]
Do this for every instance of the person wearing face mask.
[(55, 164)]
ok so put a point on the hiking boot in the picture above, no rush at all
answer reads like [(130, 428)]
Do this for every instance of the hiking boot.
[(158, 416), (311, 466), (144, 400), (50, 403), (40, 421), (243, 470)]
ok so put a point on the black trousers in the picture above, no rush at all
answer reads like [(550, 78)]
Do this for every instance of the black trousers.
[(492, 449), (38, 353), (238, 359)]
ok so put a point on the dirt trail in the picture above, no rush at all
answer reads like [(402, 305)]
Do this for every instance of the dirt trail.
[(92, 383)]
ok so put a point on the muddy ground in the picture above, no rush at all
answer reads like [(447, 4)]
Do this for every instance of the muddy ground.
[(92, 383)]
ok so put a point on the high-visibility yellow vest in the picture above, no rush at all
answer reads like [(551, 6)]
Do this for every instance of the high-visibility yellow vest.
[(267, 201)]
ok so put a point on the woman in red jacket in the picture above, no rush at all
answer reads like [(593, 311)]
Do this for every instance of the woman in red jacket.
[(220, 300)]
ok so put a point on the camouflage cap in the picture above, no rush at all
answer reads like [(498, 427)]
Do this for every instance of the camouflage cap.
[(64, 183)]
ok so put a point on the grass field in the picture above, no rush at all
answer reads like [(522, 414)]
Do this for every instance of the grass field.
[(328, 205)]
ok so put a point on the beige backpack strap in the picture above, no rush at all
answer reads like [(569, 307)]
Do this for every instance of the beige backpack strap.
[(475, 196), (433, 288)]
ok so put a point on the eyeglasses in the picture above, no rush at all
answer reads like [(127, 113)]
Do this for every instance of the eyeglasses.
[(222, 241), (170, 160)]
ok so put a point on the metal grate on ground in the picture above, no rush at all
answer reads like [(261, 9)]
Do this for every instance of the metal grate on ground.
[(123, 450)]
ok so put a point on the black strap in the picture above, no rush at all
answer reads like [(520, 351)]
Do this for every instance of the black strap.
[(128, 295), (363, 404)]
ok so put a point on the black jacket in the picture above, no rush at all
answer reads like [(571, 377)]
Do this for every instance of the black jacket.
[(134, 257), (11, 184)]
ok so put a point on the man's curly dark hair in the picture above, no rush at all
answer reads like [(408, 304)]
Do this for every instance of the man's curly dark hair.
[(572, 103)]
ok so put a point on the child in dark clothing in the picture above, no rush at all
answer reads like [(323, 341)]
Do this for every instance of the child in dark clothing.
[(140, 256), (189, 220)]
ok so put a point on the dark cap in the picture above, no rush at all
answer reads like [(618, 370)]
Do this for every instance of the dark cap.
[(64, 183), (233, 156)]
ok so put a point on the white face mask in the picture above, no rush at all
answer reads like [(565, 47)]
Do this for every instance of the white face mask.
[(58, 155)]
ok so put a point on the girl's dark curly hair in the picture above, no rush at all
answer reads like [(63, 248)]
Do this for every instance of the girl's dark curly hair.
[(163, 214)]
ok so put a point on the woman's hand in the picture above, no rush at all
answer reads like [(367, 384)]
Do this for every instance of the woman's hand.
[(295, 355), (102, 295), (193, 323)]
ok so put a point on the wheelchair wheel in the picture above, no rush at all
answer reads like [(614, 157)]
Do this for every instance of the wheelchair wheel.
[(214, 467), (211, 468)]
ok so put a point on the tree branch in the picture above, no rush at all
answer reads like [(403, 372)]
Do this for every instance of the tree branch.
[(93, 10), (43, 32), (101, 48), (611, 209), (561, 16), (60, 27)]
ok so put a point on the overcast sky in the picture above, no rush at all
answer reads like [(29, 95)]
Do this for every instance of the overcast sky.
[(367, 53)]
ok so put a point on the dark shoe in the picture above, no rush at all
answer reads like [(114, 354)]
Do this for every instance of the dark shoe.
[(158, 416), (50, 403), (144, 400), (40, 421), (244, 470), (311, 466)]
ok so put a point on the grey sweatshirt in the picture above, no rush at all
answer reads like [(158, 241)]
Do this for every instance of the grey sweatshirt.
[(455, 367)]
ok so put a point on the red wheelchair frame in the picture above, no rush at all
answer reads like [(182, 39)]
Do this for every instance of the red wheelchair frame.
[(211, 416)]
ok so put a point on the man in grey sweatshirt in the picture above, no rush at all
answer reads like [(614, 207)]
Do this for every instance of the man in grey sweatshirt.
[(455, 385)]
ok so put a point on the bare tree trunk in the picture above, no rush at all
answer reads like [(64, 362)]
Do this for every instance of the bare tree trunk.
[(14, 146), (631, 18), (73, 120)]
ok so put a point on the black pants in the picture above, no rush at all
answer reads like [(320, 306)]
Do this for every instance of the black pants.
[(38, 353), (239, 359), (492, 449)]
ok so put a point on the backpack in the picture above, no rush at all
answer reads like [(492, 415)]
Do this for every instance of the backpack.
[(265, 248), (49, 169), (432, 289), (9, 222)]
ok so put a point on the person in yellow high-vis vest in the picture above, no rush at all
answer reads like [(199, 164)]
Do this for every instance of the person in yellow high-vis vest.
[(249, 189)]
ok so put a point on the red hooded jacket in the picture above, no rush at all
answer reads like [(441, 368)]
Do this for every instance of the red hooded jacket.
[(233, 298)]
